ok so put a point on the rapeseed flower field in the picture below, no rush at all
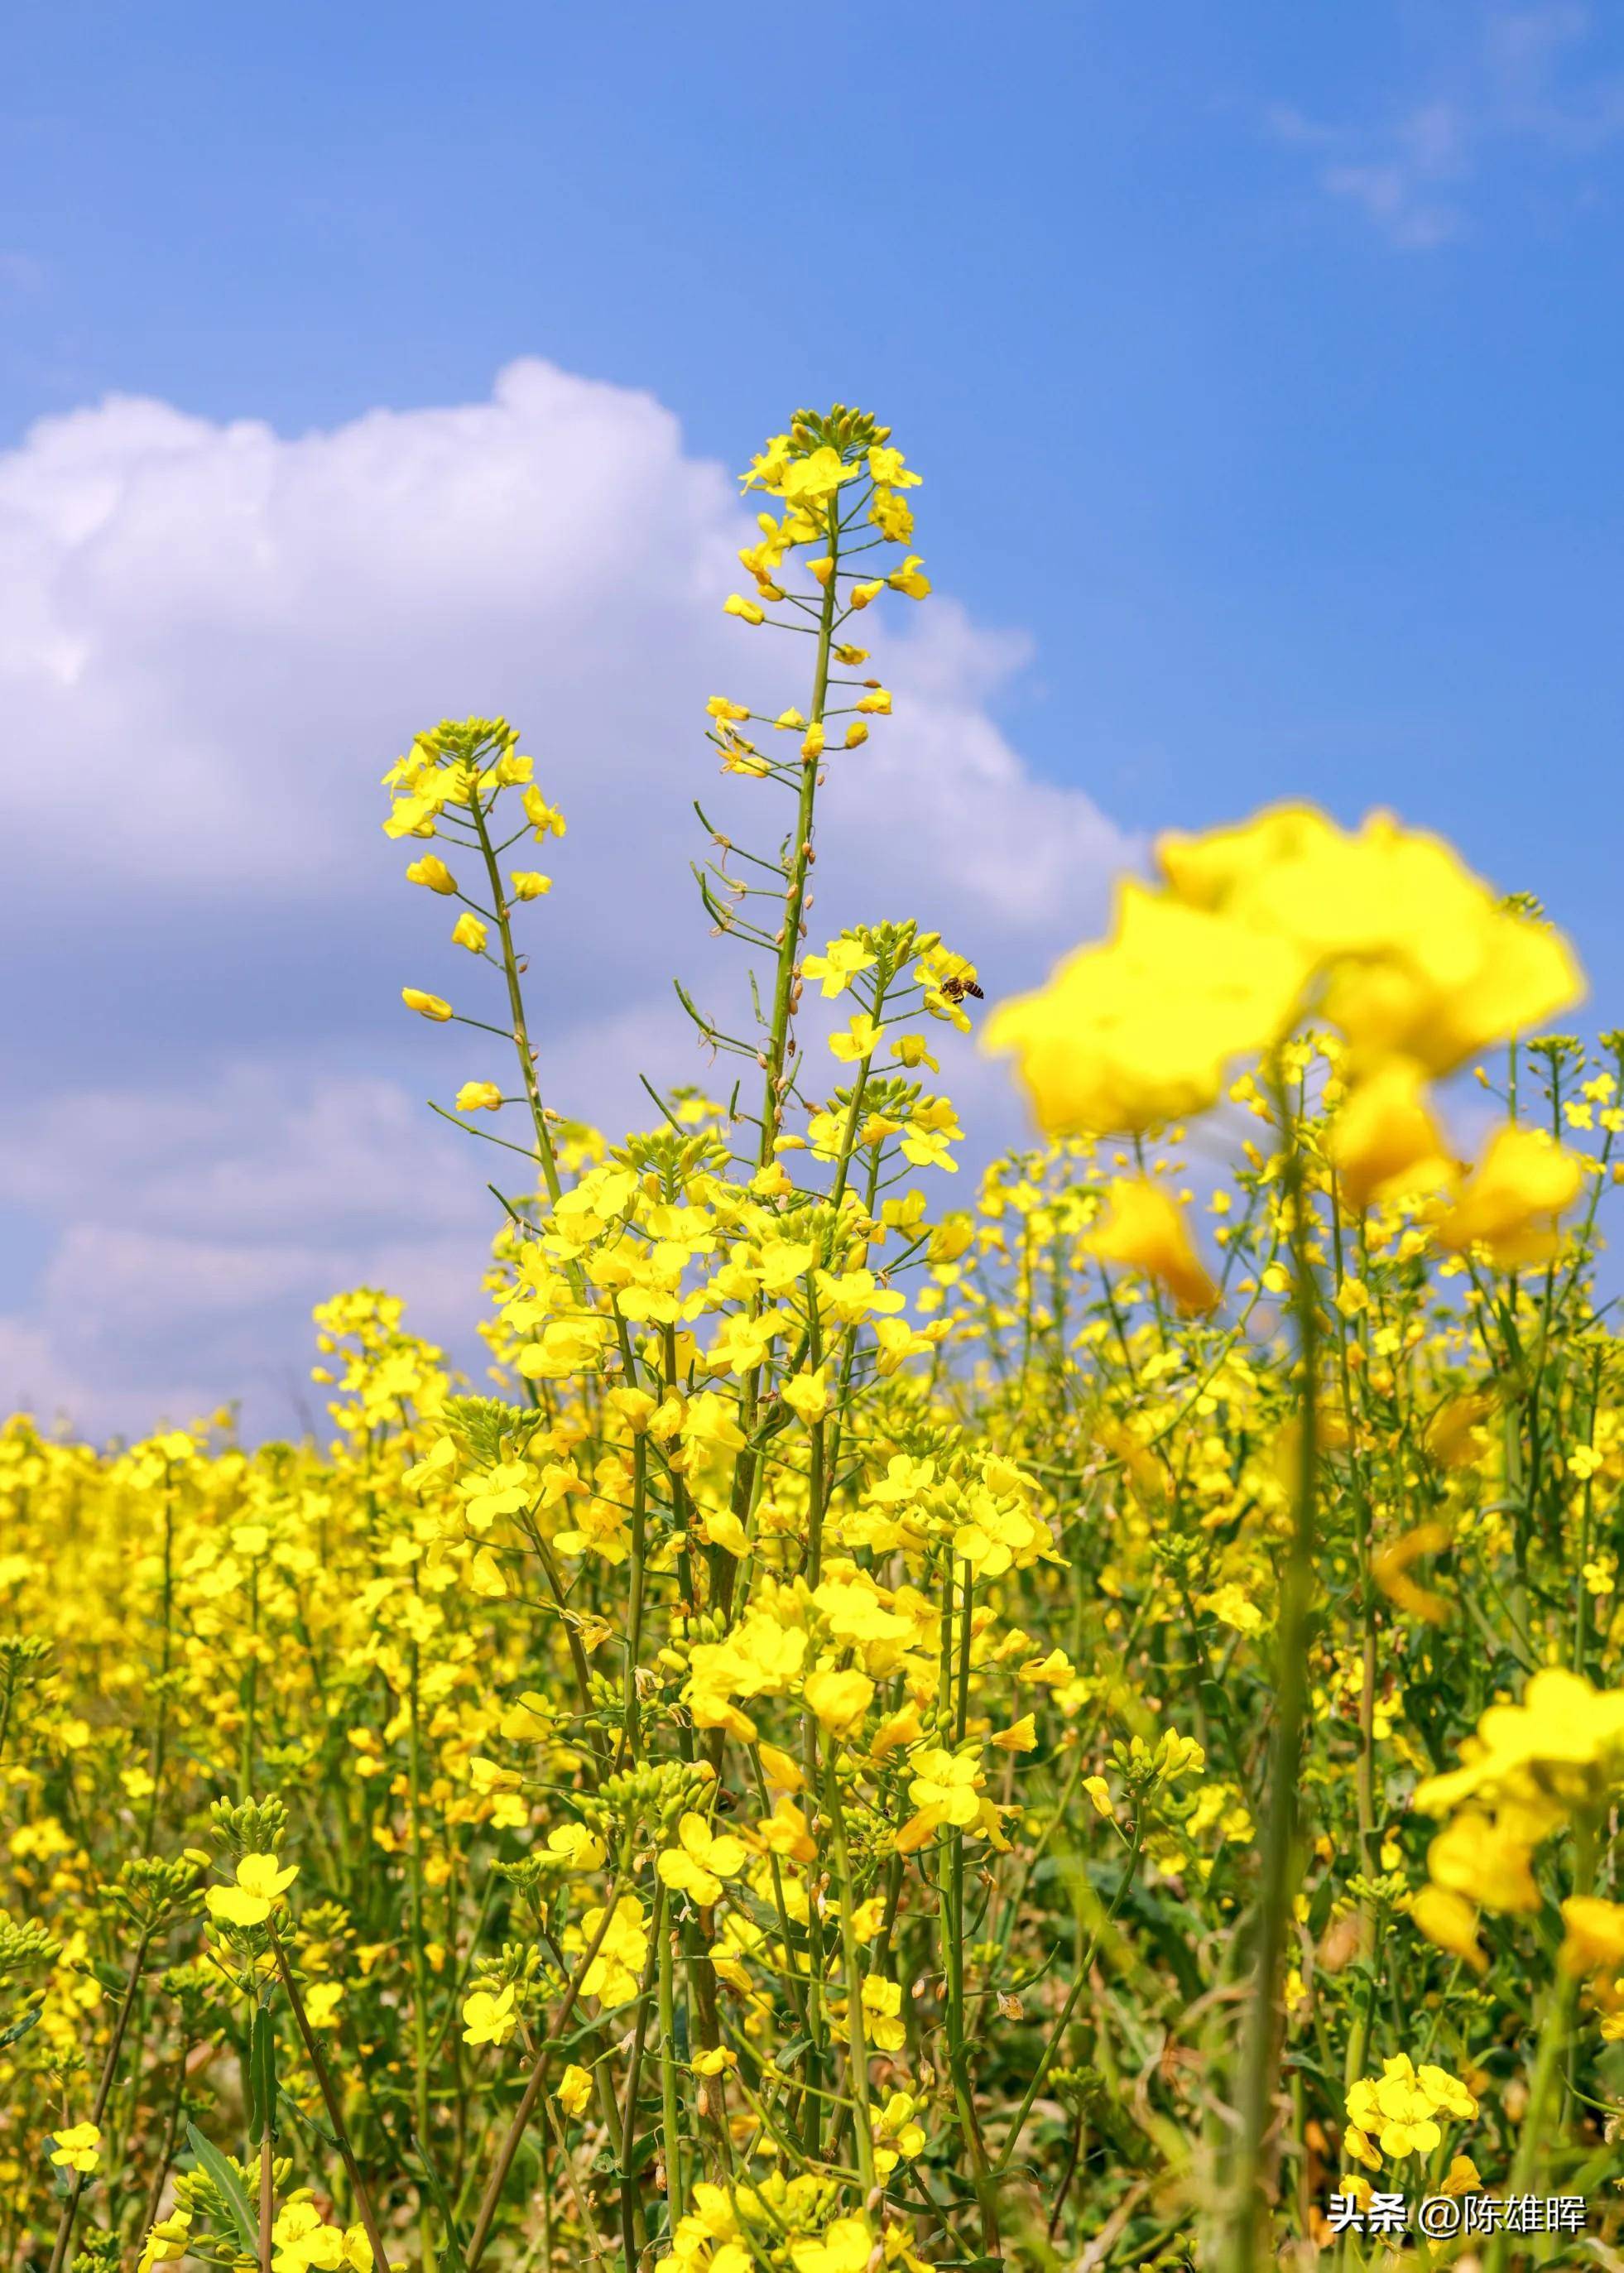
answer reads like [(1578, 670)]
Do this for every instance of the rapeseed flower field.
[(1066, 1723)]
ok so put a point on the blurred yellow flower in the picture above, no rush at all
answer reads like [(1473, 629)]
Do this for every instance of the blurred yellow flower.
[(1511, 1202), (1146, 1230)]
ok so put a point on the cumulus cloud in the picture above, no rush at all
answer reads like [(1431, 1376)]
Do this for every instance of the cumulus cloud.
[(212, 640)]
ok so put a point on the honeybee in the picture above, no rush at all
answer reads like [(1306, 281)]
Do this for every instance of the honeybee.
[(954, 990)]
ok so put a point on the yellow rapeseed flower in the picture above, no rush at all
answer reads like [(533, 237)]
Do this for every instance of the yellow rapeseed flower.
[(488, 2019), (77, 2148)]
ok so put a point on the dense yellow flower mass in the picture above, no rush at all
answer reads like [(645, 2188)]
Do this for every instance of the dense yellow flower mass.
[(1060, 1715)]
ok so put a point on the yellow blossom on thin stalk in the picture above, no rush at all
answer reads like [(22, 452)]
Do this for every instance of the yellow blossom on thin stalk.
[(884, 1639)]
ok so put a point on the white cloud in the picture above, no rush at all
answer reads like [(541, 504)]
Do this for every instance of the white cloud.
[(196, 1227), (1533, 90), (1398, 175), (212, 641), (1520, 78)]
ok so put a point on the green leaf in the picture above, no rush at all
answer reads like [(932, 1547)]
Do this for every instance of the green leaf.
[(20, 2029), (1320, 1910), (224, 2173)]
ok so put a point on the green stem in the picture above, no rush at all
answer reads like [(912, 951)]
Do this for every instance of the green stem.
[(1261, 2057), (544, 1149), (267, 2200), (1531, 2139), (631, 2220), (671, 2120), (420, 1963), (109, 2069), (774, 1057), (491, 2198), (335, 2117), (857, 2032), (795, 896), (1058, 2033)]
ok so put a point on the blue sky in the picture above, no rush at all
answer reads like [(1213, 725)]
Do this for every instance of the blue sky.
[(1263, 363)]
